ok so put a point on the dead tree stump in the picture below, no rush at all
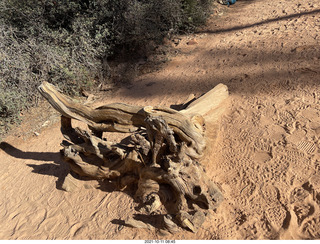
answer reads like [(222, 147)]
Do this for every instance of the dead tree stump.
[(162, 158)]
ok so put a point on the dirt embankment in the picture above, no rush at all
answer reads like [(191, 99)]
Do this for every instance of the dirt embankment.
[(266, 159)]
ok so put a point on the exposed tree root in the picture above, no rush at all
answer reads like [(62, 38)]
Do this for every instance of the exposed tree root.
[(162, 158)]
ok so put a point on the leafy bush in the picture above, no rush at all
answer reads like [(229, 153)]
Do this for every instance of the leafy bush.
[(67, 42)]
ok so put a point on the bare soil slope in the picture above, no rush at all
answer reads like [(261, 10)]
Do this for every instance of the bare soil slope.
[(266, 158)]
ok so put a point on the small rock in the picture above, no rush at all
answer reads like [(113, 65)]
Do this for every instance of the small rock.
[(45, 123), (36, 133), (192, 42)]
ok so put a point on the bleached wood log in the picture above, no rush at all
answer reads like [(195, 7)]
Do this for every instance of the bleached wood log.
[(162, 159)]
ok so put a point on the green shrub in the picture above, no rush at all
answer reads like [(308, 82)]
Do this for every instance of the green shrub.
[(10, 107), (67, 42)]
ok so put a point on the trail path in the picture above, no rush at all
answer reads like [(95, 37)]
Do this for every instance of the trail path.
[(266, 159)]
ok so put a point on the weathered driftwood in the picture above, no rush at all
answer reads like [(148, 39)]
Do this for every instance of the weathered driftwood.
[(162, 158)]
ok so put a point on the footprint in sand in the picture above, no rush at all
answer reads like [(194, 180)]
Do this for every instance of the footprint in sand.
[(275, 214), (307, 147), (302, 210), (298, 194), (311, 228), (305, 208), (262, 145), (269, 193), (285, 117)]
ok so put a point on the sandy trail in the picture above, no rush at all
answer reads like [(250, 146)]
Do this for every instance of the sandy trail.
[(266, 159)]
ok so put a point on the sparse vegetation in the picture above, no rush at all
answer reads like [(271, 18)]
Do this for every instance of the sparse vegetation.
[(67, 42)]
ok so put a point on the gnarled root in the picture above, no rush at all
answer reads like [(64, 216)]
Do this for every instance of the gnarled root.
[(162, 158)]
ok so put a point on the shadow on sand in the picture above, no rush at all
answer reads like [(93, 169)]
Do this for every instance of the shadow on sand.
[(56, 167)]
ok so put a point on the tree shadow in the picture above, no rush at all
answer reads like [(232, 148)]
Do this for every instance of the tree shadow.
[(266, 65), (243, 27), (38, 156), (57, 169), (156, 221), (243, 70)]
